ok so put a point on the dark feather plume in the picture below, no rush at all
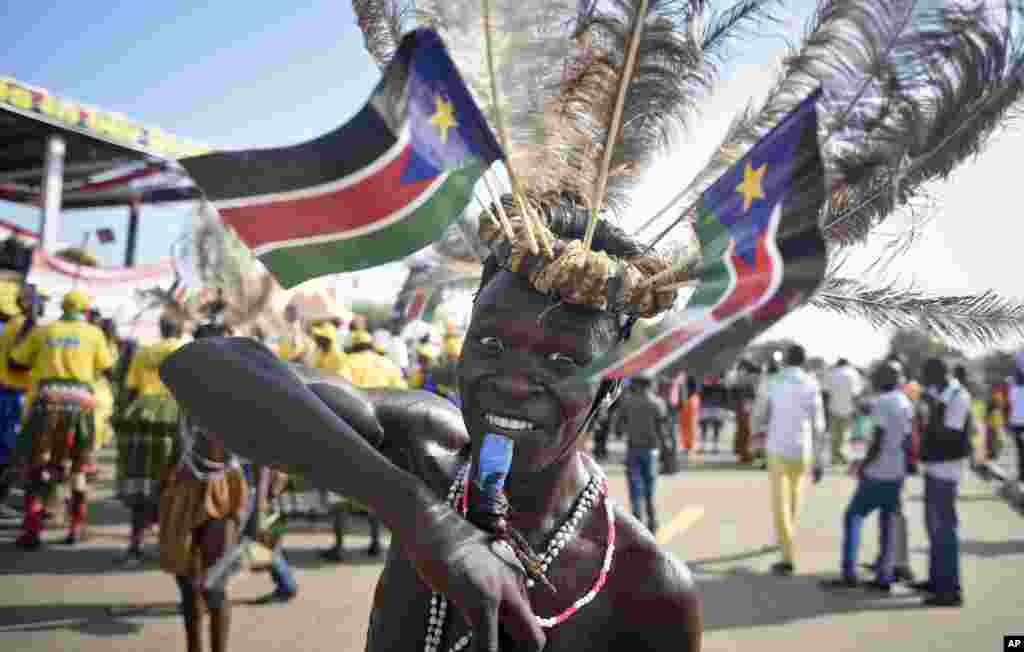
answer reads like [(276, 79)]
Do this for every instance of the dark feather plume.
[(676, 67)]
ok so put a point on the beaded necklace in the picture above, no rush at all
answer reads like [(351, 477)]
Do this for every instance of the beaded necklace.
[(458, 496)]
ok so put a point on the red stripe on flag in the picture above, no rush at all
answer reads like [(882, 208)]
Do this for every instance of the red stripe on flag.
[(752, 282), (416, 305), (658, 350), (359, 205)]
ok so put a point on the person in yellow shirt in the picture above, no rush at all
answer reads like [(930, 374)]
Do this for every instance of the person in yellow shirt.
[(16, 306), (65, 358), (327, 357), (145, 434), (295, 346), (364, 367), (451, 345), (103, 391)]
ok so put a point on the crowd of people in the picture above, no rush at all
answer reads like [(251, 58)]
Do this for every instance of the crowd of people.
[(887, 424), (70, 386)]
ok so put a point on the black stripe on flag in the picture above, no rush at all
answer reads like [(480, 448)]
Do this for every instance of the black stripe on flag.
[(351, 147)]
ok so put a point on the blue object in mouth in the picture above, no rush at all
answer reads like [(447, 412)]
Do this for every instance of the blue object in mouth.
[(495, 462)]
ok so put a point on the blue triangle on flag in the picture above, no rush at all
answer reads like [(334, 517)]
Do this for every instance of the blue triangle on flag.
[(419, 168)]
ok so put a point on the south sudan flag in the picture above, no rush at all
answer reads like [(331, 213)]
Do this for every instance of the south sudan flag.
[(380, 187), (762, 254)]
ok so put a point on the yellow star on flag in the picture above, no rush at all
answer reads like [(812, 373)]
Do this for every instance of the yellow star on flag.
[(751, 187), (443, 118)]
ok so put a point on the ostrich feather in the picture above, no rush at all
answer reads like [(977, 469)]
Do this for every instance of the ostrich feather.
[(982, 319), (558, 63)]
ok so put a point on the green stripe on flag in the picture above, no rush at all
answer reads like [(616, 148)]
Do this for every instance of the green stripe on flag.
[(299, 263)]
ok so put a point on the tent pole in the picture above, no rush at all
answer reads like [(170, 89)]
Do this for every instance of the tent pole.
[(132, 241), (53, 189)]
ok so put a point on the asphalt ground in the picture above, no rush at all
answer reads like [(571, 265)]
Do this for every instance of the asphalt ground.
[(714, 515)]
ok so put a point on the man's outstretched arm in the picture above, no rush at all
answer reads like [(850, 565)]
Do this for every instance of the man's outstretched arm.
[(238, 389)]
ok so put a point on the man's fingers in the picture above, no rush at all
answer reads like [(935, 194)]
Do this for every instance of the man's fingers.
[(521, 624), (485, 634)]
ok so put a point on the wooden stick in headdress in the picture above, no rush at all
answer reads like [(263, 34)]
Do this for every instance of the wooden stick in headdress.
[(517, 190), (616, 124)]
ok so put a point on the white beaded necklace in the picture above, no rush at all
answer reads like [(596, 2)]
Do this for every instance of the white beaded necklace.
[(597, 487)]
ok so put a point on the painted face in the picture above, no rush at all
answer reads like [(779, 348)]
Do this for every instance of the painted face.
[(517, 372)]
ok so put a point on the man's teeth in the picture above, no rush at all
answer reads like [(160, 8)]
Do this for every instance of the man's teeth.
[(509, 424)]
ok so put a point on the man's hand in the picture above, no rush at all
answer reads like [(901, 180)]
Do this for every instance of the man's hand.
[(455, 558)]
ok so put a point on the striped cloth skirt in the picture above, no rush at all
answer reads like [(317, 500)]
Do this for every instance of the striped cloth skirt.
[(61, 427), (145, 442)]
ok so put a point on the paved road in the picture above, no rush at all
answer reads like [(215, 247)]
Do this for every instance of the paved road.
[(60, 599)]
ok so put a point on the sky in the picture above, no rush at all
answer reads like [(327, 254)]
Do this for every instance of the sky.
[(238, 75)]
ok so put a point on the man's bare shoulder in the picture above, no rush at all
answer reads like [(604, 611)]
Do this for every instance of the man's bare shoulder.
[(655, 600)]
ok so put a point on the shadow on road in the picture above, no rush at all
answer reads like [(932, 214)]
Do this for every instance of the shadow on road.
[(743, 598), (985, 548), (354, 556), (726, 559), (963, 498), (61, 560), (91, 619)]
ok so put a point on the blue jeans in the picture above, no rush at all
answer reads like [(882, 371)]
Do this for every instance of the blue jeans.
[(871, 495), (642, 472), (941, 520), (280, 571), (10, 420)]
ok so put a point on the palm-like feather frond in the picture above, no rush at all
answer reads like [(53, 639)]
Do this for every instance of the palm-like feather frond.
[(383, 24), (676, 67), (911, 90), (985, 319)]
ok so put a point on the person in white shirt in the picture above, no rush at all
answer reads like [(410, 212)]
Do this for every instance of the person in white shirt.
[(1015, 416), (843, 384), (881, 480), (791, 410), (945, 448)]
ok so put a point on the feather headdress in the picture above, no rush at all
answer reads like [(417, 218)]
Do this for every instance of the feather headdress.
[(236, 291), (584, 96), (911, 89)]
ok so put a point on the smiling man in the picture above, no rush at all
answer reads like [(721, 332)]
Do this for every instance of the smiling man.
[(413, 457)]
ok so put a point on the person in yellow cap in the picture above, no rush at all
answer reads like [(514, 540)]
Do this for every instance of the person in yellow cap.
[(145, 434), (66, 358), (16, 312), (327, 357), (363, 367), (426, 358), (295, 346)]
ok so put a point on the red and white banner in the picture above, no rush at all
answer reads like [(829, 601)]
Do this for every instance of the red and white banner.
[(113, 290)]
